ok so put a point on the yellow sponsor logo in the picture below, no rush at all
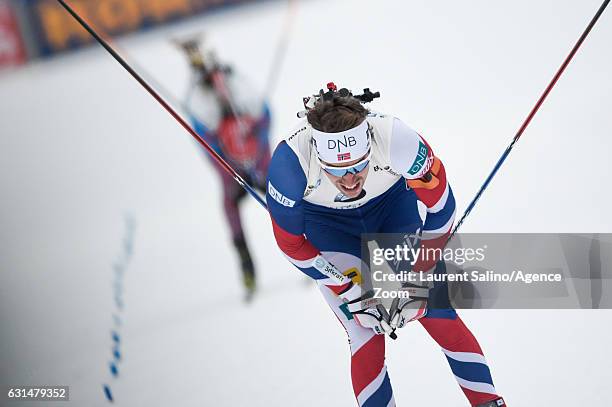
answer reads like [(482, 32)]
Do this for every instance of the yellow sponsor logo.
[(354, 274), (109, 17)]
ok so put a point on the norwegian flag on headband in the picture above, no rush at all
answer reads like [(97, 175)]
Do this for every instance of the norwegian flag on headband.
[(344, 156)]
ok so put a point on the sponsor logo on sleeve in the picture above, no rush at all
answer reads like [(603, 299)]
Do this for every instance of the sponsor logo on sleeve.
[(278, 197), (328, 269), (422, 162)]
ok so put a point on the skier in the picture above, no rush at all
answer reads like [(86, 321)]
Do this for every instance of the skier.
[(345, 171), (235, 121)]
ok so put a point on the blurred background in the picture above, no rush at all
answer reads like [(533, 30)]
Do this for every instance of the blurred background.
[(117, 272)]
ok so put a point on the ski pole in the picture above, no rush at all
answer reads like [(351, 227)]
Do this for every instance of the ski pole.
[(161, 89), (530, 116), (519, 133), (165, 105), (281, 48)]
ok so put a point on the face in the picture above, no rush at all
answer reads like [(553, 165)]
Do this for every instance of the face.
[(349, 184)]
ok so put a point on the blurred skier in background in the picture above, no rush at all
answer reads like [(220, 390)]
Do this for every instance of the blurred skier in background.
[(235, 121)]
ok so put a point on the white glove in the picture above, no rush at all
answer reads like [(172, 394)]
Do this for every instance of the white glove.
[(366, 310), (410, 305)]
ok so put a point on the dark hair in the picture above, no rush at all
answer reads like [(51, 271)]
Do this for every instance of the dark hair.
[(336, 115)]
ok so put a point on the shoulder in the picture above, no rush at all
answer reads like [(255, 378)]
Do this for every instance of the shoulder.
[(381, 126), (299, 140), (299, 135), (286, 177), (381, 122), (410, 154)]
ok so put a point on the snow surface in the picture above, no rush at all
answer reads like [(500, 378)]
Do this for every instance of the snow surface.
[(83, 145)]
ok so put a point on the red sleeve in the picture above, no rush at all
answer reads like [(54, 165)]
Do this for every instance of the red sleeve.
[(295, 247)]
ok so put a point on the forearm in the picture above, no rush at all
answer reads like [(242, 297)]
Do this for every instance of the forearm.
[(306, 257)]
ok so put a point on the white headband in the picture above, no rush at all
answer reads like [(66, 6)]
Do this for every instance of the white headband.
[(338, 148)]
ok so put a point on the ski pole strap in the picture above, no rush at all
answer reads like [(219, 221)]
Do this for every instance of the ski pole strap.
[(493, 403)]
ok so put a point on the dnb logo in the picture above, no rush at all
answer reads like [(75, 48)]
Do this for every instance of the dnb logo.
[(278, 197), (345, 142), (422, 162)]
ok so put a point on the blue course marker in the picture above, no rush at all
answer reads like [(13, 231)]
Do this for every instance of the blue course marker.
[(107, 393), (113, 369), (116, 354)]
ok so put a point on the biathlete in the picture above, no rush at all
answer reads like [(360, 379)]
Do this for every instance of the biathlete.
[(235, 121), (343, 172)]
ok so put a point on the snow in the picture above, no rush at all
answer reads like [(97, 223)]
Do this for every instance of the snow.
[(83, 145)]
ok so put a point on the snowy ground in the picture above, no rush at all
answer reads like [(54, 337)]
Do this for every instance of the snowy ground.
[(82, 144)]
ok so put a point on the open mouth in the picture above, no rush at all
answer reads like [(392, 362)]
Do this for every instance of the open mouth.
[(354, 187)]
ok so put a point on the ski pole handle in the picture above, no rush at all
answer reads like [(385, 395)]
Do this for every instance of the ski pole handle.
[(383, 311)]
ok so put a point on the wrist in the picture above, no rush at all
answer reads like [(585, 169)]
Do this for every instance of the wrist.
[(350, 292)]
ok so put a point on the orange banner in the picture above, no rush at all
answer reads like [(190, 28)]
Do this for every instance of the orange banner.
[(59, 31)]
